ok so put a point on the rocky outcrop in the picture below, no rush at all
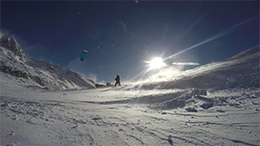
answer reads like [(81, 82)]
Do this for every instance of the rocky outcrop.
[(10, 43)]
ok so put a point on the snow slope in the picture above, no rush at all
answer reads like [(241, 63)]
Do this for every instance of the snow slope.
[(191, 108)]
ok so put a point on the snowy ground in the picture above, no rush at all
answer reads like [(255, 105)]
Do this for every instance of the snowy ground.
[(125, 116)]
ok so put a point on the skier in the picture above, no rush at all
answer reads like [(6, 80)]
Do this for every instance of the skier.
[(117, 80)]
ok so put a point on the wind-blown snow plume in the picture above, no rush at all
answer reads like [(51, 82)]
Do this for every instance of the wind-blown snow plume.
[(241, 70)]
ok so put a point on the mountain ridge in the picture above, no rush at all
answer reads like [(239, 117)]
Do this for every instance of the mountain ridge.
[(241, 70), (15, 62)]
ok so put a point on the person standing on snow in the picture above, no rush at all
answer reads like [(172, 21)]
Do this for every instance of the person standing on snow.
[(117, 80)]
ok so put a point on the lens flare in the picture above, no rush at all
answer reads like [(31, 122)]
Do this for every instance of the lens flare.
[(185, 63)]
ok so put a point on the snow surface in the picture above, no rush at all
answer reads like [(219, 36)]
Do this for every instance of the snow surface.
[(128, 116), (216, 104)]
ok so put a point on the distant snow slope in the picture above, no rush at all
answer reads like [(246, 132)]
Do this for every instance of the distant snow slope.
[(36, 73), (242, 70)]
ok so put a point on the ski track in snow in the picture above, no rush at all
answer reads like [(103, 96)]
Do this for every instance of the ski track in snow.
[(232, 120)]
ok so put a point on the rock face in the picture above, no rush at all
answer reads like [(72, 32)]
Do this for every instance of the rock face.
[(11, 44), (16, 63)]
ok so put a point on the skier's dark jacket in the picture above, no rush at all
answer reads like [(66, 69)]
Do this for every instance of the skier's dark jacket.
[(117, 78)]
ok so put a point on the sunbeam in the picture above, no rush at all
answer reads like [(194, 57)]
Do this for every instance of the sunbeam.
[(218, 35), (140, 74)]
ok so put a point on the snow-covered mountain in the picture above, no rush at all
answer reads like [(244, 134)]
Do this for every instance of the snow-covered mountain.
[(36, 73), (240, 71)]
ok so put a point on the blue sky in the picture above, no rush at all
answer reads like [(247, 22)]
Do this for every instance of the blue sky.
[(121, 35)]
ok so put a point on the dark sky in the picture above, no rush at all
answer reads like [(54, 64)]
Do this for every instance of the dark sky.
[(121, 35)]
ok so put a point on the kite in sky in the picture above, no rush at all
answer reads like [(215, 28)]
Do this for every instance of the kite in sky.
[(83, 55)]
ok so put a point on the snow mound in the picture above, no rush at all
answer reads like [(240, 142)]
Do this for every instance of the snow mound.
[(192, 100)]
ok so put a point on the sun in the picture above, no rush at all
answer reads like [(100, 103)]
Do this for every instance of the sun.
[(156, 63)]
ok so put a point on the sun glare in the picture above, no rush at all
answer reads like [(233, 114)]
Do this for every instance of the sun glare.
[(156, 63)]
